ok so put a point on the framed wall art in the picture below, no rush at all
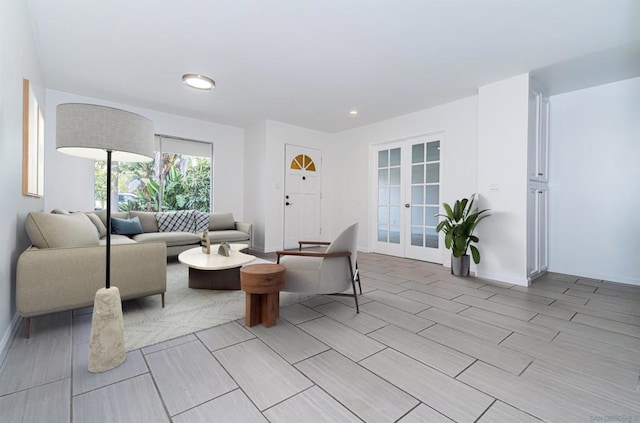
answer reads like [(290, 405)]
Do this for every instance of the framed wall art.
[(33, 144)]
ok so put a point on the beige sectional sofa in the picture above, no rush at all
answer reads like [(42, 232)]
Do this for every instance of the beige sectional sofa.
[(65, 266)]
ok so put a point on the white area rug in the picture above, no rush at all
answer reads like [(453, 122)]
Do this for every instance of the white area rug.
[(186, 310)]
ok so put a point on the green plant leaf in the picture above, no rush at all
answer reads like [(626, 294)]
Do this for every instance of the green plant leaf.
[(475, 254)]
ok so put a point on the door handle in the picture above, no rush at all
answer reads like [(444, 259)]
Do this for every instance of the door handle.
[(288, 204), (407, 205)]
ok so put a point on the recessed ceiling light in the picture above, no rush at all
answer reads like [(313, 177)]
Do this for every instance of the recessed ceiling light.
[(200, 82), (353, 112)]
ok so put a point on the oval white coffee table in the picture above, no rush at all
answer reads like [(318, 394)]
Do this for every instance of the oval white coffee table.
[(214, 271)]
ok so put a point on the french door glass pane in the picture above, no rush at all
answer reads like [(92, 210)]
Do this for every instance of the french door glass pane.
[(432, 238), (383, 214), (383, 196), (383, 177), (394, 215), (417, 236), (433, 194), (432, 220), (433, 151), (417, 194), (383, 233), (394, 234), (417, 215), (383, 159), (433, 172), (394, 176), (394, 198), (394, 157), (417, 153), (417, 174)]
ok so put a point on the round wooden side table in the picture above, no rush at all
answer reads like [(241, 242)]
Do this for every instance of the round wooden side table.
[(262, 283)]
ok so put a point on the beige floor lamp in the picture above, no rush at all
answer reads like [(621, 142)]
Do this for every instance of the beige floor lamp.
[(99, 132)]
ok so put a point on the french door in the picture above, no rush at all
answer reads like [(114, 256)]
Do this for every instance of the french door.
[(407, 181)]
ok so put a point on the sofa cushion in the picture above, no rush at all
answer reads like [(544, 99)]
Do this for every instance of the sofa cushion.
[(102, 230), (178, 221), (230, 236), (170, 238), (102, 214), (47, 230), (200, 221), (118, 240), (126, 226), (147, 220), (59, 211), (221, 221)]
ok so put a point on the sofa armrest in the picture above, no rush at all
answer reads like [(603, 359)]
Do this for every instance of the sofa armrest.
[(49, 280)]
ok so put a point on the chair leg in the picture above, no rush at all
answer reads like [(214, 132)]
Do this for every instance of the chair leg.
[(358, 278), (162, 296), (353, 282), (28, 326)]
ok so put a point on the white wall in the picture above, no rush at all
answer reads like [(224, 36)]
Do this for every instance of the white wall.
[(19, 60), (350, 150), (69, 181), (594, 190), (256, 184), (502, 164)]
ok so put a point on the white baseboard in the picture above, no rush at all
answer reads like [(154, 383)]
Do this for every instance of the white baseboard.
[(594, 275), (5, 343), (504, 278)]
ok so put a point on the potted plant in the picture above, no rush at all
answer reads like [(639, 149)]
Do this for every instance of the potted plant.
[(458, 227)]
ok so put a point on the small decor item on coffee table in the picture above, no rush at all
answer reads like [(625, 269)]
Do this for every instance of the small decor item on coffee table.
[(224, 249), (206, 242), (262, 283)]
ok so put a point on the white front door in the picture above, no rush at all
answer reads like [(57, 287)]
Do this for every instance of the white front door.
[(408, 180), (302, 195)]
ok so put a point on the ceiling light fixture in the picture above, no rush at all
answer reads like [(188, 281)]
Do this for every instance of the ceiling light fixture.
[(353, 112), (197, 81)]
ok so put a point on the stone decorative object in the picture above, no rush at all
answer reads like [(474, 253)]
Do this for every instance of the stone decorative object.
[(106, 348), (224, 249), (206, 242)]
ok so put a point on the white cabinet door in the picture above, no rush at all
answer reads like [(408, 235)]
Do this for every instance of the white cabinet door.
[(537, 230)]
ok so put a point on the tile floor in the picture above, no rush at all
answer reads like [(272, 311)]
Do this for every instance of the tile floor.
[(426, 347)]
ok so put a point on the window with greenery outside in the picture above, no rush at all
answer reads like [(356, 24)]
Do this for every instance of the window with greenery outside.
[(170, 182)]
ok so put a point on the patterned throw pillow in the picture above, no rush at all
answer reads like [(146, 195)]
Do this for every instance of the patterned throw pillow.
[(201, 221), (179, 221)]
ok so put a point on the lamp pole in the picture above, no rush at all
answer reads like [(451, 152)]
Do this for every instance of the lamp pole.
[(108, 255)]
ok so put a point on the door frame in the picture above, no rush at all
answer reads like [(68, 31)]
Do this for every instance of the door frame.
[(401, 250)]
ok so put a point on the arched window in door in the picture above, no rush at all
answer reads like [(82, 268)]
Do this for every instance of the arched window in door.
[(303, 162)]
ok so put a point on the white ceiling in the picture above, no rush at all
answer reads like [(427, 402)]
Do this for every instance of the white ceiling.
[(308, 62)]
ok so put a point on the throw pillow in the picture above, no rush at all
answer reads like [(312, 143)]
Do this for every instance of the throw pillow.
[(178, 221), (221, 222), (102, 230), (48, 230), (201, 221), (126, 226)]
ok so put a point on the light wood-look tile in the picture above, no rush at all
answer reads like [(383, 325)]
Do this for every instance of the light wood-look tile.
[(168, 344), (433, 301), (576, 359), (560, 286), (445, 359), (510, 324), (474, 292), (187, 375), (46, 403), (597, 312), (432, 290), (32, 362), (620, 287), (504, 358), (265, 377), (82, 328), (362, 322), (401, 303), (132, 400), (424, 413), (313, 404), (590, 332), (598, 322), (561, 277), (341, 338), (385, 278), (500, 412), (469, 281), (619, 354), (292, 343), (382, 285), (455, 400), (224, 335), (231, 407), (316, 301), (618, 308), (627, 293), (506, 310), (349, 301), (626, 300), (560, 377), (362, 392), (396, 317), (512, 292), (552, 294), (466, 324), (534, 307), (530, 397), (298, 313), (84, 381)]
